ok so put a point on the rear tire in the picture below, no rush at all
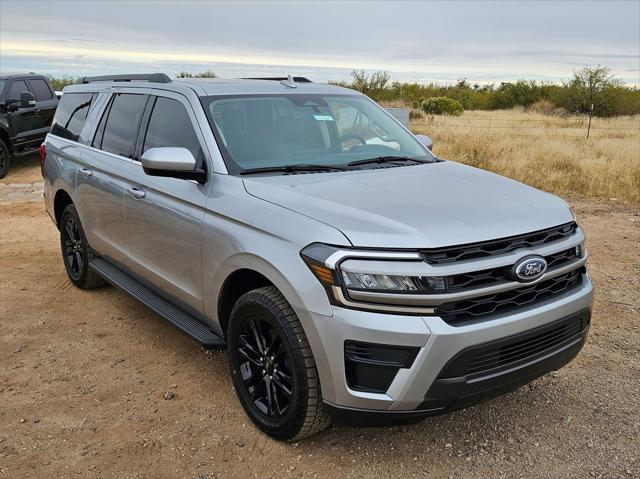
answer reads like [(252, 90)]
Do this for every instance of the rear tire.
[(272, 367), (76, 252), (5, 159)]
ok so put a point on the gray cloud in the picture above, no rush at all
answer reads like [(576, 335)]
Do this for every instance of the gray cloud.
[(415, 40)]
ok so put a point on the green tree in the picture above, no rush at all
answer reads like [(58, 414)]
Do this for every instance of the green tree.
[(204, 74), (592, 86), (372, 85), (59, 83)]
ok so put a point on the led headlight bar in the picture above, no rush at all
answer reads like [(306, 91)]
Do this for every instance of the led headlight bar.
[(393, 283), (324, 261)]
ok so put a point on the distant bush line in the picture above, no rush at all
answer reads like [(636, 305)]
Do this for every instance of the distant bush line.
[(590, 86)]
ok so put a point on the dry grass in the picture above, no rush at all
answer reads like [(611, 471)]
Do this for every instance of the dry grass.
[(547, 152)]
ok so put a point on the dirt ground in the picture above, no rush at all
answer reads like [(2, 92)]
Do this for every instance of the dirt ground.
[(83, 376)]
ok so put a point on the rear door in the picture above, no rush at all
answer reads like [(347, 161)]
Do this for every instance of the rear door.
[(103, 171), (164, 216), (46, 102)]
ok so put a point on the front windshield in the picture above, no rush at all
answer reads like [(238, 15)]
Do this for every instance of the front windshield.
[(262, 131), (2, 82)]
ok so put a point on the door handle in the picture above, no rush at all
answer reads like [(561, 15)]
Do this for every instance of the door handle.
[(136, 192), (85, 172)]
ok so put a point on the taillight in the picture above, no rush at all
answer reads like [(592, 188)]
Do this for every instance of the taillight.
[(43, 157)]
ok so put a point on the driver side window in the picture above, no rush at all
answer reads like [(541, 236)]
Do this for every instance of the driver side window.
[(17, 87), (355, 127)]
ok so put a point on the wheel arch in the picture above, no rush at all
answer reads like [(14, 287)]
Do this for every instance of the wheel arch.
[(245, 272), (236, 284), (61, 200)]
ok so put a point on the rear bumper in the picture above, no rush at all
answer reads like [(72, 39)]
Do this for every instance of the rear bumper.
[(429, 386)]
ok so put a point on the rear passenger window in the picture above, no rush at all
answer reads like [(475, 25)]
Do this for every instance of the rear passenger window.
[(16, 88), (40, 89), (170, 125), (121, 124), (71, 115)]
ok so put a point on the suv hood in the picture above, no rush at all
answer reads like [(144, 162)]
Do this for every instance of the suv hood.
[(423, 206)]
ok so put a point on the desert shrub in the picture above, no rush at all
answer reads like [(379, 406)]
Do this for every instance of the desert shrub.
[(414, 114), (441, 105), (544, 107)]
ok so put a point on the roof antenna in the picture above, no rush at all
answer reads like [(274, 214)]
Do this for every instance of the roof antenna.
[(289, 83)]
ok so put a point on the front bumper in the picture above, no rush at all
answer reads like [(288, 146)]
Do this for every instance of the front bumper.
[(420, 389)]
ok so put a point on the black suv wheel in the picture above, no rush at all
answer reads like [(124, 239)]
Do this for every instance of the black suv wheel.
[(5, 159), (272, 367), (76, 252)]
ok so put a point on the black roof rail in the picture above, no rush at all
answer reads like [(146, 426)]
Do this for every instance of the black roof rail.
[(150, 77), (295, 79)]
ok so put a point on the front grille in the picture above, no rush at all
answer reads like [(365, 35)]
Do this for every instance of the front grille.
[(493, 276), (516, 350), (496, 247), (456, 312)]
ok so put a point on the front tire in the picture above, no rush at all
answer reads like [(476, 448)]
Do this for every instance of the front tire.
[(272, 367), (76, 252), (5, 159)]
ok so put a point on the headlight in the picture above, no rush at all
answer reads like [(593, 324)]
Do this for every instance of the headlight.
[(354, 277), (382, 282)]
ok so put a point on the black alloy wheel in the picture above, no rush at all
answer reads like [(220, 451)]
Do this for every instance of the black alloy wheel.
[(73, 251), (265, 367), (76, 252), (272, 366)]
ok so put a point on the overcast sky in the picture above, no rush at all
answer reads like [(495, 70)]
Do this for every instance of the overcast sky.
[(421, 41)]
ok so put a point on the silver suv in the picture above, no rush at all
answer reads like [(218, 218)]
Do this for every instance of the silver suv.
[(349, 272)]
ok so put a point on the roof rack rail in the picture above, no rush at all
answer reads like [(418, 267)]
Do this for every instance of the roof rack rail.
[(295, 79), (150, 77)]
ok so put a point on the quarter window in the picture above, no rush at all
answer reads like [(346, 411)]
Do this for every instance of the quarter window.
[(40, 89), (121, 124), (17, 87), (71, 115), (170, 125)]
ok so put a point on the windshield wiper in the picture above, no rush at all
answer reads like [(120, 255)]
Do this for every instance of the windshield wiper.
[(293, 168), (386, 159)]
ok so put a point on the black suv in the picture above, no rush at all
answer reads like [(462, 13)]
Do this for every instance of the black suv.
[(27, 105)]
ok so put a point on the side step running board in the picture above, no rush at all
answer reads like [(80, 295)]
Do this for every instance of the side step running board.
[(186, 323)]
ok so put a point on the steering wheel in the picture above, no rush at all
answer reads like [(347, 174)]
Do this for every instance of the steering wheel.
[(351, 136)]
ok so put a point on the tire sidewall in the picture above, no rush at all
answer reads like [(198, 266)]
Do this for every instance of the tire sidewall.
[(70, 210), (288, 425), (4, 169)]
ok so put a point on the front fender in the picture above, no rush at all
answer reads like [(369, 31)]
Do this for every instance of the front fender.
[(292, 277)]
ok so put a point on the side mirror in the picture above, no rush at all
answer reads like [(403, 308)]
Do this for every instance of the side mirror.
[(173, 162), (425, 140), (27, 100)]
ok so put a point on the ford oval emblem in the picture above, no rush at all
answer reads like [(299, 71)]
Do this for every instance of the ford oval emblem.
[(529, 268)]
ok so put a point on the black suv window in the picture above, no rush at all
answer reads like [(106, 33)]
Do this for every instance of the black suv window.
[(118, 129), (17, 87), (71, 115), (40, 89), (170, 125)]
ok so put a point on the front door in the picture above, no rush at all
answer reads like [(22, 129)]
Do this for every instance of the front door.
[(25, 123), (164, 216)]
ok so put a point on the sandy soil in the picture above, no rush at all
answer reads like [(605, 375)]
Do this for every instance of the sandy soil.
[(83, 377)]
